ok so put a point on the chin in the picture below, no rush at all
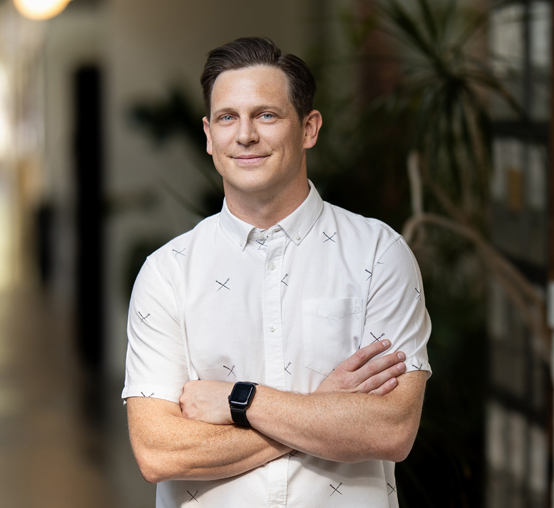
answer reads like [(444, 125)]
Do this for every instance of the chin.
[(252, 187)]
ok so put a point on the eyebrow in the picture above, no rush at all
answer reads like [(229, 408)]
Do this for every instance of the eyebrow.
[(270, 107), (257, 110)]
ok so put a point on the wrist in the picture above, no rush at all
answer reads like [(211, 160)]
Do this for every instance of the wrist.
[(240, 399)]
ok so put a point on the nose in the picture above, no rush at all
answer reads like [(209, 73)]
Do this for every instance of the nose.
[(247, 133)]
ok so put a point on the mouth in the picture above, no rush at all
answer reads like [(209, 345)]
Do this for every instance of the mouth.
[(250, 159)]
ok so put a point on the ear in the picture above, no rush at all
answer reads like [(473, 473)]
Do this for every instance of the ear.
[(312, 124), (206, 124)]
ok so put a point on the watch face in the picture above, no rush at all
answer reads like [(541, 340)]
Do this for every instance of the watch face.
[(241, 393)]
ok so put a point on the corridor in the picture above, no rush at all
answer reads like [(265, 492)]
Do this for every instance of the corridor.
[(63, 438)]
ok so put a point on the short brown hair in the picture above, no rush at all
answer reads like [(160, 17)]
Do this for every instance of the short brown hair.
[(251, 51)]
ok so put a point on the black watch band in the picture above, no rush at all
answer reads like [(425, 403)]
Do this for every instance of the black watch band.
[(239, 401), (239, 417)]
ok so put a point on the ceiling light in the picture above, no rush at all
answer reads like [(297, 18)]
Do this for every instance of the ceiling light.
[(40, 9)]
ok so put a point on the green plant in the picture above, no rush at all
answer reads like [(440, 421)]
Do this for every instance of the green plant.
[(443, 90), (176, 116)]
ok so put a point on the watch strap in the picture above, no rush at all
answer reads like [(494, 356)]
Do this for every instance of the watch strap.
[(239, 417)]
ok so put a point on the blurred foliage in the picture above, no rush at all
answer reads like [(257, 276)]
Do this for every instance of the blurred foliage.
[(177, 116)]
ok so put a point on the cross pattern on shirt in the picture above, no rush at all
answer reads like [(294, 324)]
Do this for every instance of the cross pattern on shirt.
[(230, 370), (192, 496), (179, 251), (418, 294), (376, 339), (261, 244), (147, 396), (143, 318), (335, 489), (222, 284), (415, 366), (264, 299)]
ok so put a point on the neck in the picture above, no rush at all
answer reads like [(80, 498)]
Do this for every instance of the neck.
[(262, 210)]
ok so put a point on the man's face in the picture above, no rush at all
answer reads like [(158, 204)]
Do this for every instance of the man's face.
[(254, 134)]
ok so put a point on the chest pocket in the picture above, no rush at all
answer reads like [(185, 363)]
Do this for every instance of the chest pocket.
[(331, 331)]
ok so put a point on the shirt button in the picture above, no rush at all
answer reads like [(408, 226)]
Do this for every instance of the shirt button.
[(241, 243), (271, 266), (271, 328), (297, 237), (260, 236)]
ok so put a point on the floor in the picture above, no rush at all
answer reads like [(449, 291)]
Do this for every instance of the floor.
[(63, 438)]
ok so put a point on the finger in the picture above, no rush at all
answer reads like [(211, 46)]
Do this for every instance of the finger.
[(385, 382), (364, 354), (376, 366), (388, 387)]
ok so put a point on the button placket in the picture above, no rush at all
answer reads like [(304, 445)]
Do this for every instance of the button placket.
[(274, 354)]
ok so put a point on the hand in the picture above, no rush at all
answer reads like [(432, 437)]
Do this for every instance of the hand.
[(207, 401), (362, 374)]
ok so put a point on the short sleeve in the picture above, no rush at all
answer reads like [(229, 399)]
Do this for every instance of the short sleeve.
[(156, 364), (396, 306)]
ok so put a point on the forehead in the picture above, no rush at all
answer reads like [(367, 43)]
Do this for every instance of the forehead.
[(249, 87)]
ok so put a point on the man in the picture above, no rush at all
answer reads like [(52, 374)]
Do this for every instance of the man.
[(282, 290)]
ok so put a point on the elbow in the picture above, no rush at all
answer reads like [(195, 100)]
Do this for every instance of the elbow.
[(403, 443), (397, 453), (400, 445), (156, 467), (151, 476), (400, 452), (395, 448), (149, 467)]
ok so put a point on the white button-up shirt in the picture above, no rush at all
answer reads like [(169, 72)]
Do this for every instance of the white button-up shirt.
[(281, 307)]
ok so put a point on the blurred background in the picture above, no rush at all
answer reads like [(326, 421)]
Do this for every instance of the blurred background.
[(436, 121)]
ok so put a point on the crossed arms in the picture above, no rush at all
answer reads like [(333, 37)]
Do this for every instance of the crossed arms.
[(361, 411)]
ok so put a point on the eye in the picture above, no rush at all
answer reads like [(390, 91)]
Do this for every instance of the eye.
[(226, 118), (267, 116)]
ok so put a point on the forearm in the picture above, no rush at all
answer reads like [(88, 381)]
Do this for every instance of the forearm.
[(344, 427), (170, 447)]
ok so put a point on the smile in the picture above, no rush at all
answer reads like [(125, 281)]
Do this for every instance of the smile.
[(250, 160)]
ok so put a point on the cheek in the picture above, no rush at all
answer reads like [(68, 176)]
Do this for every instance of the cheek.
[(220, 144), (293, 146)]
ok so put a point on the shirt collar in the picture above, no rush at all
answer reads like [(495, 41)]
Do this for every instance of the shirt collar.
[(236, 228), (297, 225)]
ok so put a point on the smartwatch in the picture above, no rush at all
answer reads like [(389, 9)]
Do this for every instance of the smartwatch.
[(239, 401)]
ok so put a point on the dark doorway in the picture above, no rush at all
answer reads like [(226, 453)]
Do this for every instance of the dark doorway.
[(87, 85)]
